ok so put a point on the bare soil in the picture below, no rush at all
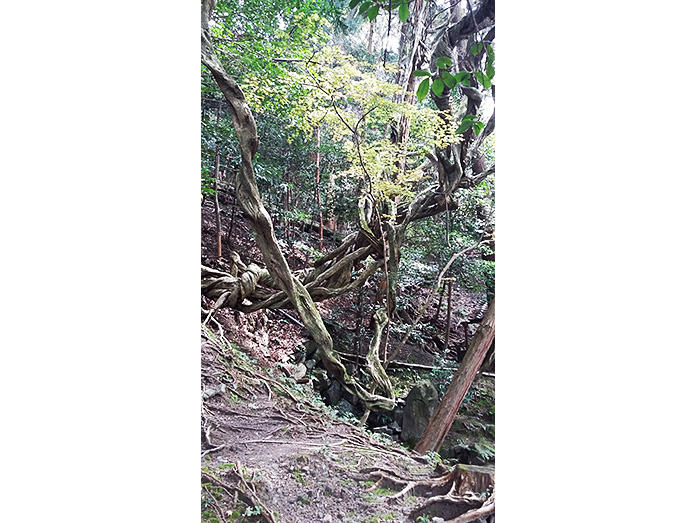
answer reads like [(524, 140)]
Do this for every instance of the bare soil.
[(302, 465), (270, 449)]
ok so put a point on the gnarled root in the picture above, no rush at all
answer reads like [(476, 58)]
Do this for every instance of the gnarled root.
[(460, 494)]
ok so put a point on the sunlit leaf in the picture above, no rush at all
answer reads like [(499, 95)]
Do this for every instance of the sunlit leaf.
[(466, 124), (403, 12), (373, 12), (419, 72)]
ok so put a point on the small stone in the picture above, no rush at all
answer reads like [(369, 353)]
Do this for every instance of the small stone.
[(395, 427), (210, 392), (327, 519), (437, 520), (297, 371)]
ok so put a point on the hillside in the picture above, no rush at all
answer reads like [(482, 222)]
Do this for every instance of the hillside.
[(279, 440)]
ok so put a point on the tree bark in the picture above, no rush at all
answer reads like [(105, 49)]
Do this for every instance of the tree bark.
[(448, 315), (443, 418), (216, 202), (260, 220), (319, 197)]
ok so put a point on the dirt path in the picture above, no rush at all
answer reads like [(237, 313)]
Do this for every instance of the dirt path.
[(268, 449)]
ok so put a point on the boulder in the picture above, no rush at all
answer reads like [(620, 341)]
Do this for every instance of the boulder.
[(421, 403), (333, 393), (344, 407)]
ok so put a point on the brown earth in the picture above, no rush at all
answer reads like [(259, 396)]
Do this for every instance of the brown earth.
[(270, 445)]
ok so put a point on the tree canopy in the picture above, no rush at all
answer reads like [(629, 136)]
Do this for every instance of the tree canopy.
[(376, 117)]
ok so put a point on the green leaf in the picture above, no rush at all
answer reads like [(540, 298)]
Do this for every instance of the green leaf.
[(490, 71), (443, 62), (486, 83), (403, 12), (479, 76), (438, 86), (364, 7), (354, 3), (448, 79), (419, 72), (466, 124), (476, 48), (373, 12), (478, 126), (422, 90)]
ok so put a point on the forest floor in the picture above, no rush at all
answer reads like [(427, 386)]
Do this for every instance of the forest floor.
[(272, 451)]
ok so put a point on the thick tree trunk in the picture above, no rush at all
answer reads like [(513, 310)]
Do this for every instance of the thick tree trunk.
[(260, 220), (442, 420)]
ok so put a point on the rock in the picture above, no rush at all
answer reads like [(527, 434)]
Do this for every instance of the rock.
[(323, 381), (327, 519), (296, 371), (210, 392), (333, 393), (309, 365), (382, 430), (395, 427), (437, 520), (310, 348), (344, 407), (421, 403), (398, 415), (350, 368)]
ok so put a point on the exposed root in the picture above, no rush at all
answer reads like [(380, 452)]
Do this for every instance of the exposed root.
[(245, 491), (486, 510), (453, 492)]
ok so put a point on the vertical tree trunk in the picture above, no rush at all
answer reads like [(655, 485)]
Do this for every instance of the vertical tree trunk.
[(216, 174), (442, 420), (447, 320), (260, 221), (218, 224), (370, 36), (319, 197), (440, 302)]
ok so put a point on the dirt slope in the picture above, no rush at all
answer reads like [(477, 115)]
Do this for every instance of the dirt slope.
[(302, 465)]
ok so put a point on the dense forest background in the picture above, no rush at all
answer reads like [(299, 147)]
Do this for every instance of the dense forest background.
[(101, 206), (362, 195)]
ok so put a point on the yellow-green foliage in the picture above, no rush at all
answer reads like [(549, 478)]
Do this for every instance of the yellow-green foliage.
[(358, 106)]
